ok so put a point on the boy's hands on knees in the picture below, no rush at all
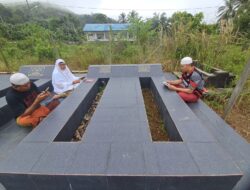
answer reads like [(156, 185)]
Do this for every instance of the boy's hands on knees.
[(171, 87), (169, 82)]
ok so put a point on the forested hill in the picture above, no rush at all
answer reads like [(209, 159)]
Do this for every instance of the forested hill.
[(15, 17)]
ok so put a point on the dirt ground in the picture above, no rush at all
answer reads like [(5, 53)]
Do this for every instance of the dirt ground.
[(158, 132), (241, 123)]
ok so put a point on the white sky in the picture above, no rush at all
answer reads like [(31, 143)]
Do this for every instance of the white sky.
[(146, 8)]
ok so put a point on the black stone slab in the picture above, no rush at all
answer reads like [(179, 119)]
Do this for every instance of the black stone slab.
[(4, 84), (231, 142), (183, 119), (129, 70), (90, 159), (61, 124), (105, 131), (110, 120), (42, 84), (117, 151), (199, 183), (23, 158), (57, 158), (6, 113), (175, 159), (17, 181), (37, 71), (127, 182), (126, 158), (244, 183), (212, 159), (10, 136), (50, 182), (79, 182)]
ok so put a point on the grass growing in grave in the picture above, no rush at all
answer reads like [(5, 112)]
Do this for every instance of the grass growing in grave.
[(156, 124), (87, 117)]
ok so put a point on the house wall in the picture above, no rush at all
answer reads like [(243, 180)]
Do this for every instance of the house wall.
[(105, 36)]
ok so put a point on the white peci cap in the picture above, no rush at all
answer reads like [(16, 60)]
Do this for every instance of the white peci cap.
[(186, 61), (19, 79)]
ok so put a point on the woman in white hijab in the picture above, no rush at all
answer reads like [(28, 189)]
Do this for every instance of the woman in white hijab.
[(63, 80)]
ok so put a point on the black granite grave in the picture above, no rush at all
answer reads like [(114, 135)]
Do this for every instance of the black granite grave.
[(4, 84), (117, 151)]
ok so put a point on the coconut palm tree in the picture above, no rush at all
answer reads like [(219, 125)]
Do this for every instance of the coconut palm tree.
[(122, 18), (161, 22), (133, 15), (228, 11), (239, 3), (165, 23)]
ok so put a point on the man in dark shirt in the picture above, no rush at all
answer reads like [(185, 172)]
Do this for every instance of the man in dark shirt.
[(24, 99), (190, 86)]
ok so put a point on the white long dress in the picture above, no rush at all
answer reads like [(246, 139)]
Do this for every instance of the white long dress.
[(62, 79)]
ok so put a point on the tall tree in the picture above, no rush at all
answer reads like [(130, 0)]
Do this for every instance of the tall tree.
[(133, 15), (239, 3), (242, 20), (5, 13), (165, 23), (228, 10), (122, 18), (161, 22), (189, 21)]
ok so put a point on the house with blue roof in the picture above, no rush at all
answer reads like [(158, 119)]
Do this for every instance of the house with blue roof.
[(107, 32)]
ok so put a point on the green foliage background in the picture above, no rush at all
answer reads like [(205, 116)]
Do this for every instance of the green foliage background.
[(43, 33)]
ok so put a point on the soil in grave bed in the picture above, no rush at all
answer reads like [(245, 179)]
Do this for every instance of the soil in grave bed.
[(87, 117), (156, 124)]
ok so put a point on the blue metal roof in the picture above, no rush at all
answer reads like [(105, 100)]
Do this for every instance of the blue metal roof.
[(105, 27)]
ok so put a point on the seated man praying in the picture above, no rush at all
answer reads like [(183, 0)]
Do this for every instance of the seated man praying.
[(190, 86), (24, 99)]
